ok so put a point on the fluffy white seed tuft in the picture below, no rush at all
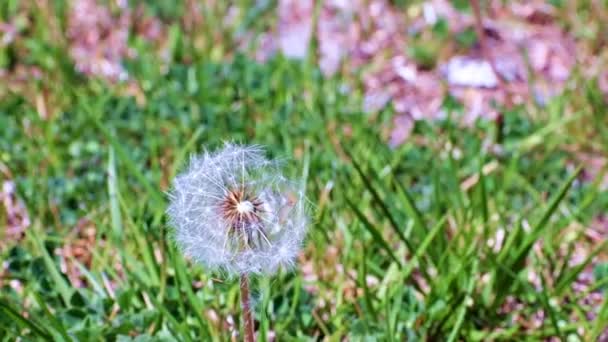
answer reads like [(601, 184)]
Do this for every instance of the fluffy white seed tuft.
[(234, 211)]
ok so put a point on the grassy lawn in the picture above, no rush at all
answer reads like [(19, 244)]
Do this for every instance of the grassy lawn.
[(448, 236)]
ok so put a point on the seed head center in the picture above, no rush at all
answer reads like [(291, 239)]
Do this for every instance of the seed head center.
[(244, 207)]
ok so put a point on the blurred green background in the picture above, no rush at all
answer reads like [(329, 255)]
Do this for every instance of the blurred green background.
[(448, 202)]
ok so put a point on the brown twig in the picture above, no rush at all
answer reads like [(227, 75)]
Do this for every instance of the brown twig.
[(246, 309)]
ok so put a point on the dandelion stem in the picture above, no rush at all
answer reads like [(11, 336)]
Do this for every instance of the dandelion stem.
[(246, 309)]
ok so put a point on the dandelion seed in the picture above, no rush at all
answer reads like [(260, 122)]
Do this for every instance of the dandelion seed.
[(233, 211)]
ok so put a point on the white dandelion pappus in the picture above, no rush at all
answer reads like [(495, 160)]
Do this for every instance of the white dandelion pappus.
[(234, 211)]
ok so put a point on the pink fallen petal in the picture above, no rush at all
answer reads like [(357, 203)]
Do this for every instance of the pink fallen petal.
[(403, 127), (470, 72), (295, 27)]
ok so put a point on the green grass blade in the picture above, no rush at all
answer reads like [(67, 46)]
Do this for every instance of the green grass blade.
[(174, 325), (185, 282), (566, 279), (55, 323), (410, 206), (601, 321), (97, 287), (23, 322), (378, 200), (113, 196), (376, 235), (184, 151), (62, 285), (539, 228), (295, 300), (463, 306), (423, 246), (362, 280), (153, 191), (483, 194), (545, 299)]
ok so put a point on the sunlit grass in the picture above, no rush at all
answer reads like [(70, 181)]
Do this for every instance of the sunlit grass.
[(442, 238)]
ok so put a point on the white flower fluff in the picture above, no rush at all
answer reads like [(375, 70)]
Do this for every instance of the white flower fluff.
[(234, 211)]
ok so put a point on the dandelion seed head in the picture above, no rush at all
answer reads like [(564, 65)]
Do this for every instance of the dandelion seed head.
[(234, 211)]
